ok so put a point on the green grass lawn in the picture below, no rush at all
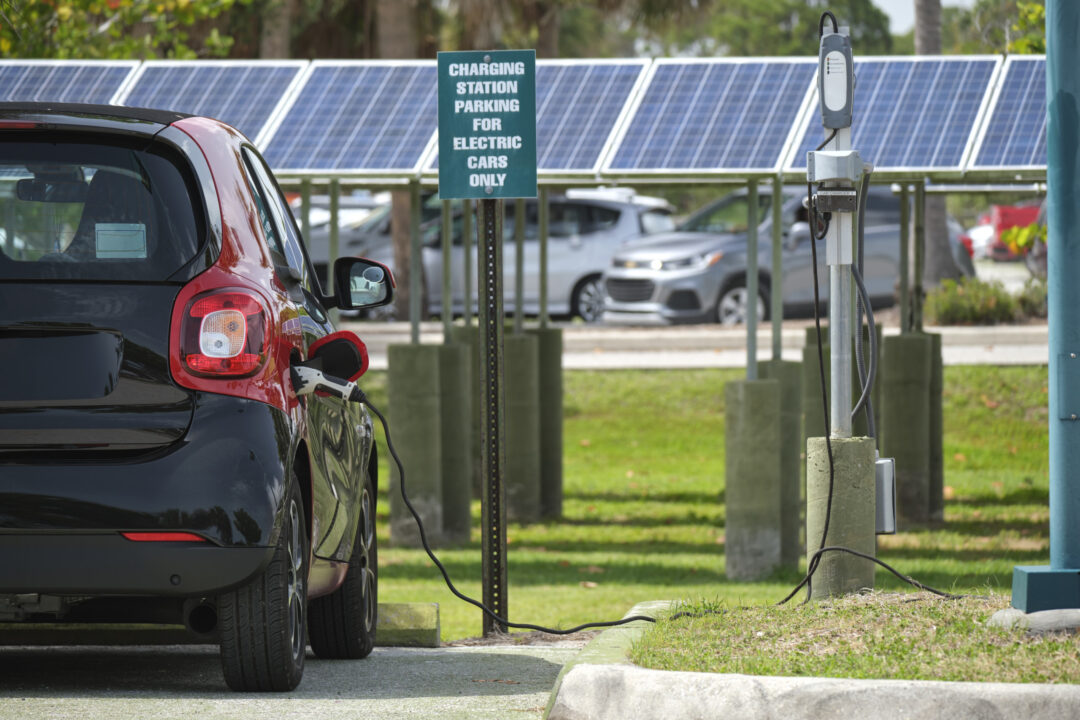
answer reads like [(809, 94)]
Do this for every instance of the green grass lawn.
[(644, 512)]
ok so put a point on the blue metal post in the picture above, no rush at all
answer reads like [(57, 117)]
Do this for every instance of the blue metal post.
[(1058, 586)]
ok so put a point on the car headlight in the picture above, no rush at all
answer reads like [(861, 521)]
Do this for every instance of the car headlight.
[(703, 260)]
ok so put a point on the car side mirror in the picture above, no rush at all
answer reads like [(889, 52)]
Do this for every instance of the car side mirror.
[(341, 355), (360, 283)]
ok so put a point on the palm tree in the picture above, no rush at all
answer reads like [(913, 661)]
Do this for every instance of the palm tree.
[(939, 260)]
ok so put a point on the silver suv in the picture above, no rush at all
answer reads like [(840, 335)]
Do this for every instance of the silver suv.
[(698, 273), (585, 228)]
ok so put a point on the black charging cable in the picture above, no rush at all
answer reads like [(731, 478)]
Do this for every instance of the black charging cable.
[(446, 576)]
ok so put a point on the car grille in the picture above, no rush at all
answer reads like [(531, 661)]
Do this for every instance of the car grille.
[(627, 290)]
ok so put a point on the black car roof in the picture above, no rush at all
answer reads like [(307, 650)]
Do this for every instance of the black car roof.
[(83, 114)]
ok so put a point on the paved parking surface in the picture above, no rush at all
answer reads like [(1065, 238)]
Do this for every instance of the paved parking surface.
[(496, 682)]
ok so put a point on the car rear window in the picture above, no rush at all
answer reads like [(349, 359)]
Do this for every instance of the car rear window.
[(95, 211)]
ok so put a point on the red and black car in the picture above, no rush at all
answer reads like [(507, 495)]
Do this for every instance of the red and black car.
[(156, 464)]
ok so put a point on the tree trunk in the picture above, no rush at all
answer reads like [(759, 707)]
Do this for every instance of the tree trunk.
[(939, 263), (276, 32), (396, 38), (547, 29), (481, 24)]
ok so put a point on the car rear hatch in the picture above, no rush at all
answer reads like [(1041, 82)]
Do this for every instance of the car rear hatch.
[(98, 233)]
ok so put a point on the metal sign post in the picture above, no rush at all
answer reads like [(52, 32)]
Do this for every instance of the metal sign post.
[(487, 152)]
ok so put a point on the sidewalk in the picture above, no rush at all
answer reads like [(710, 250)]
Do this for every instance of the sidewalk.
[(587, 347)]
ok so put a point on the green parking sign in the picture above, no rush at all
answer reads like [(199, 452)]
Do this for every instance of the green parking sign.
[(487, 124)]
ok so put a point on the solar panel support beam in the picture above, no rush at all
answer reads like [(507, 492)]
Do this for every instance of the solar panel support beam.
[(776, 308), (415, 263), (752, 205)]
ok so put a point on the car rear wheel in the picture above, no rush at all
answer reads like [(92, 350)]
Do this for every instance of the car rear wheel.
[(587, 302), (342, 624), (263, 624), (733, 306)]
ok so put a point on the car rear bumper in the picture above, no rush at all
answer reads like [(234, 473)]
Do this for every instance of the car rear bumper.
[(109, 564), (225, 480)]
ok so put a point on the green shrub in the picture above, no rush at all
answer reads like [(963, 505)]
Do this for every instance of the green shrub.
[(1032, 299), (970, 302)]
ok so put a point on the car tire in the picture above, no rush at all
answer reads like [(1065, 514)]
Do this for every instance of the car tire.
[(341, 625), (263, 624), (731, 305), (587, 301)]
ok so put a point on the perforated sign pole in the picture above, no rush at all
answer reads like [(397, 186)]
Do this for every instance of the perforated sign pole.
[(492, 446), (487, 152)]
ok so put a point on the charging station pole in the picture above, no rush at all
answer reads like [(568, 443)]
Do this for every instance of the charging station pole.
[(840, 469)]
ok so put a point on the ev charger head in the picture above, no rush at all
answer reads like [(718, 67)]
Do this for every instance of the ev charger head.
[(836, 80)]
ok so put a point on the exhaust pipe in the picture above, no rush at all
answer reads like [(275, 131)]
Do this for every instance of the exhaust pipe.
[(200, 617)]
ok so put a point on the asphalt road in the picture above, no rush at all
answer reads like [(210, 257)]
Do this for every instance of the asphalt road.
[(165, 682)]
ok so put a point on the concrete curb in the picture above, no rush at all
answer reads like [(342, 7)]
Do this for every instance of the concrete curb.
[(609, 648), (600, 683), (611, 692)]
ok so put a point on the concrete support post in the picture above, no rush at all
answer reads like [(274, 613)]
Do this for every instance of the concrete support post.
[(752, 471), (455, 408), (936, 427), (905, 422), (469, 336), (414, 372), (812, 403), (789, 375), (522, 481), (852, 520), (551, 420)]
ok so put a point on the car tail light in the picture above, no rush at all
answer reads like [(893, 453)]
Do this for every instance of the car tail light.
[(224, 334), (968, 244), (163, 537)]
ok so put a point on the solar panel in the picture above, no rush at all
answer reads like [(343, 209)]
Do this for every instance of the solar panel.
[(241, 94), (1015, 133), (713, 116), (579, 104), (360, 117), (910, 114), (82, 81)]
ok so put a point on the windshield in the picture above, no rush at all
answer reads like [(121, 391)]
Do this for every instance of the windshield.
[(727, 215), (655, 221), (85, 211)]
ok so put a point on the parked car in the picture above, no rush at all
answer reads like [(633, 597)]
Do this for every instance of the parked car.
[(158, 466), (698, 273), (585, 228)]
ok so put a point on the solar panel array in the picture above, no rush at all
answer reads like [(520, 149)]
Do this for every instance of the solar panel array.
[(241, 94), (358, 116), (595, 118), (910, 113), (706, 115), (1015, 133), (63, 81)]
